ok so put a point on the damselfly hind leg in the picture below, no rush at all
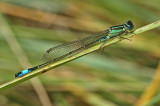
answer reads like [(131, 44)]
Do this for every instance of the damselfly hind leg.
[(125, 38), (126, 34), (101, 50), (104, 41)]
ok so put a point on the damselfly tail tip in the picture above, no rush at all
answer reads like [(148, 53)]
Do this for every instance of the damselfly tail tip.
[(18, 74)]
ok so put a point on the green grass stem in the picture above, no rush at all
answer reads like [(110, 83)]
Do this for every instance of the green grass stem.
[(53, 65)]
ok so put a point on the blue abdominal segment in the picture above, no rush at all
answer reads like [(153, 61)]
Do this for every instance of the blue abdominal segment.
[(24, 72)]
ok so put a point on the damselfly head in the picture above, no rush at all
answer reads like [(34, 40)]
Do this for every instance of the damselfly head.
[(130, 25)]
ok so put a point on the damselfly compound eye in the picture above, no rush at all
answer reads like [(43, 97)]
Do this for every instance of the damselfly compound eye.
[(130, 25)]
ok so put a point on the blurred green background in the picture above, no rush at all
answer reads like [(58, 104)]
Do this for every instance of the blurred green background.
[(118, 77)]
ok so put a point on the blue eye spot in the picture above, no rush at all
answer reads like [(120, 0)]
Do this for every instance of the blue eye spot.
[(130, 25)]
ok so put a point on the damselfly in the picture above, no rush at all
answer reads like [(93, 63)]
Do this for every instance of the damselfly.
[(69, 49)]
